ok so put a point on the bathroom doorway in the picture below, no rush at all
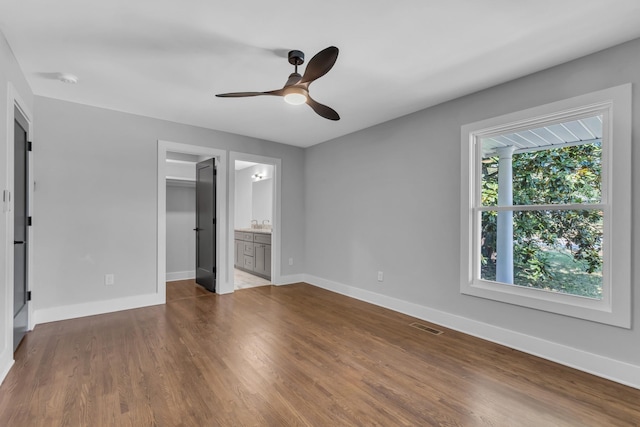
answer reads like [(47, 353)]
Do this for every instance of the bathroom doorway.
[(254, 218)]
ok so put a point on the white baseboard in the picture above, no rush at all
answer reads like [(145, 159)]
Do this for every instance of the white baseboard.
[(605, 367), (180, 275), (291, 278), (6, 362), (96, 307)]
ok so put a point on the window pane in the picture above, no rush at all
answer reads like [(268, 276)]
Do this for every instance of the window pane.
[(557, 251), (542, 173)]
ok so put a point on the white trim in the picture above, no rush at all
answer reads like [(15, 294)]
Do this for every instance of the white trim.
[(277, 205), (291, 278), (567, 207), (182, 162), (615, 306), (6, 362), (93, 308), (222, 285), (180, 275), (177, 181), (601, 366)]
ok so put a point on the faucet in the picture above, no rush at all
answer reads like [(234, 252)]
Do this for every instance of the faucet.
[(266, 226), (256, 223)]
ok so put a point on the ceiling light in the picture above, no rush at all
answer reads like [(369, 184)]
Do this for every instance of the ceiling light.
[(295, 95), (68, 78)]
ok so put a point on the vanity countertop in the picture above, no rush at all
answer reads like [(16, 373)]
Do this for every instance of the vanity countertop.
[(255, 230)]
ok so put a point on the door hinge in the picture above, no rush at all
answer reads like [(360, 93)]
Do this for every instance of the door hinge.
[(214, 270), (6, 201), (214, 220), (29, 146), (28, 295), (29, 221)]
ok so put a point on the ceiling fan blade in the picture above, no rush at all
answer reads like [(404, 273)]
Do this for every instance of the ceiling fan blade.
[(320, 64), (239, 94), (277, 92), (323, 110)]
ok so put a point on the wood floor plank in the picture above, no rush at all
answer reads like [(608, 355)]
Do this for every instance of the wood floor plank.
[(289, 356)]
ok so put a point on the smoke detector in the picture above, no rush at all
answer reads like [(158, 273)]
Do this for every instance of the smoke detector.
[(68, 78)]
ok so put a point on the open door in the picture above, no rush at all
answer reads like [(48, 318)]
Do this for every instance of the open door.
[(20, 230), (206, 224)]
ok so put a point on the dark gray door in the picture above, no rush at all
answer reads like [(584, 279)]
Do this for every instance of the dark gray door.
[(206, 224), (20, 250)]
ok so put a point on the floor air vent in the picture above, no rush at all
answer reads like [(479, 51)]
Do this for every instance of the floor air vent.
[(425, 328)]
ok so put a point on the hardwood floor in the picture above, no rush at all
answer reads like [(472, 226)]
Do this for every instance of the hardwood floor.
[(181, 289), (284, 356)]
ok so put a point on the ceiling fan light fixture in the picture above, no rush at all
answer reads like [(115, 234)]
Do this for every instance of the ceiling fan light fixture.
[(295, 95)]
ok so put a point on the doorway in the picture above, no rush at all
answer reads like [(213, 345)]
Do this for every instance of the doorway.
[(180, 154), (190, 223), (21, 222), (253, 224), (254, 220)]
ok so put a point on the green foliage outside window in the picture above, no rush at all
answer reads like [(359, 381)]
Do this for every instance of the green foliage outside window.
[(559, 250)]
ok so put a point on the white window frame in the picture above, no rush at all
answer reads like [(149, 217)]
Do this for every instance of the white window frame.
[(615, 306)]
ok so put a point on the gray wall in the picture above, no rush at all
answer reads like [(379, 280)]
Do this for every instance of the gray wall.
[(96, 173), (9, 73), (262, 201), (392, 203), (253, 199), (181, 220), (242, 209)]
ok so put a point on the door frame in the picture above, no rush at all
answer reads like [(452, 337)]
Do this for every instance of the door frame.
[(277, 200), (15, 101), (220, 157)]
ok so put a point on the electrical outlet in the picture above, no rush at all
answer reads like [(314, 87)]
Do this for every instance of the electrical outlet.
[(109, 279), (290, 261), (380, 276)]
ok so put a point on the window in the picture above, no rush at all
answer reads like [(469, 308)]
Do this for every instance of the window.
[(546, 204)]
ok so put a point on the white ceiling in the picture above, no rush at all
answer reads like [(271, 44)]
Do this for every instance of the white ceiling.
[(167, 59)]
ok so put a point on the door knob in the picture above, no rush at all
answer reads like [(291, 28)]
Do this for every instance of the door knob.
[(17, 242), (196, 229)]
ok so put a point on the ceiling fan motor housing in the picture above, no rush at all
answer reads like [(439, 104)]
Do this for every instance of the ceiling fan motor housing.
[(296, 57)]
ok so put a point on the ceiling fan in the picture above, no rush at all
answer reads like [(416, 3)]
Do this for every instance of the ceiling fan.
[(296, 89)]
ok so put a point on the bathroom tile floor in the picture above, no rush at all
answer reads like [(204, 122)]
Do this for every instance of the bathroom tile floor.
[(244, 280)]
